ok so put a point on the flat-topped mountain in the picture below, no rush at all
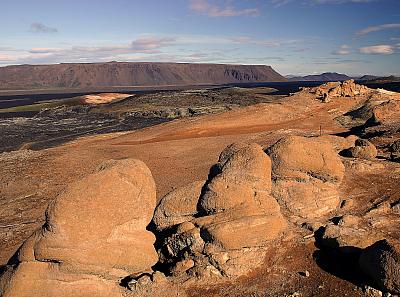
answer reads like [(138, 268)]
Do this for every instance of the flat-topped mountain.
[(82, 75)]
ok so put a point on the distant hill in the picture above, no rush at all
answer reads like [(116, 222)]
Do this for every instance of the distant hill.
[(327, 76), (83, 75), (367, 77), (381, 79)]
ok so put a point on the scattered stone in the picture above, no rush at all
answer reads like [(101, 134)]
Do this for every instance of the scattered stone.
[(372, 292), (158, 277), (395, 151), (305, 273), (182, 266), (396, 208), (381, 262)]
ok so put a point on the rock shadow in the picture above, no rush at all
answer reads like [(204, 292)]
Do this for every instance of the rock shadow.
[(341, 262)]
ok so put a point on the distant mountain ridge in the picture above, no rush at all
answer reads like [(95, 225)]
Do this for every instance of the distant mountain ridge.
[(327, 76), (82, 75)]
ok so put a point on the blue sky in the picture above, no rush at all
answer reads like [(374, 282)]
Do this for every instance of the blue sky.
[(293, 36)]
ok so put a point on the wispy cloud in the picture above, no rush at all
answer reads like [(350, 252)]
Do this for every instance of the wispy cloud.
[(278, 3), (342, 51), (249, 40), (5, 58), (382, 49), (151, 43), (228, 10), (142, 46), (341, 1), (378, 28), (37, 27)]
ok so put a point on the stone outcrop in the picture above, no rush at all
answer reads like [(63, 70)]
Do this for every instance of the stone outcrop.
[(381, 262), (237, 218), (94, 235), (395, 151), (349, 235), (306, 174), (362, 149), (347, 88)]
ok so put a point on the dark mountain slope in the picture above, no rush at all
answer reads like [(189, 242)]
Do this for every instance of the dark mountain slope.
[(131, 74)]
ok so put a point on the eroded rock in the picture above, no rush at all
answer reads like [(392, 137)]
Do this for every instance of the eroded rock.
[(363, 149), (237, 218), (306, 174), (95, 233)]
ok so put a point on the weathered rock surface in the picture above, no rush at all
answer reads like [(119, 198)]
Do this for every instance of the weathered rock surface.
[(349, 235), (178, 206), (306, 174), (244, 180), (381, 262), (395, 151), (237, 218), (340, 143), (95, 233), (347, 88), (363, 149)]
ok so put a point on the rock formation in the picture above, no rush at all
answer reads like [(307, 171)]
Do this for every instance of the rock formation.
[(349, 235), (236, 219), (381, 262), (306, 174), (94, 235), (178, 206), (362, 149), (330, 90)]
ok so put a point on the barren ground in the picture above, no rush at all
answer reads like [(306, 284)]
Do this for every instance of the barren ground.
[(182, 151)]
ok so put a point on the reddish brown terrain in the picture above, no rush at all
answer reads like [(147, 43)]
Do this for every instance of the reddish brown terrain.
[(328, 196), (130, 74)]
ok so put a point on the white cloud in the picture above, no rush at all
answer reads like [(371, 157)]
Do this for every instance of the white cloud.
[(213, 10), (382, 49), (378, 28), (37, 27), (342, 51)]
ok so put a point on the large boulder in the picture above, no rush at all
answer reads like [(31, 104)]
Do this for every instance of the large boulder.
[(244, 178), (306, 174), (236, 219), (381, 262), (178, 206), (303, 158), (95, 229)]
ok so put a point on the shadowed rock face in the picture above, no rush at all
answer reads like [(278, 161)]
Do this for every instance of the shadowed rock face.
[(95, 233), (381, 262), (131, 74)]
